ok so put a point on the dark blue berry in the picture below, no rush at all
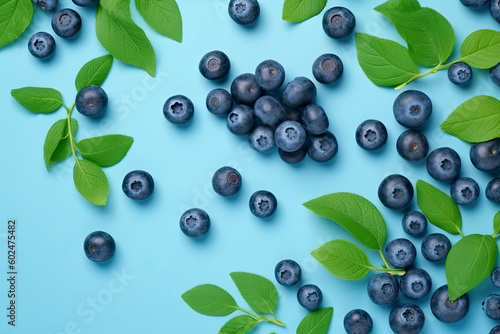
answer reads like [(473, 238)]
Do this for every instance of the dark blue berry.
[(226, 181), (315, 119), (310, 296), (474, 3), (383, 289), (42, 45), (46, 4), (294, 157), (138, 185), (406, 318), (263, 204), (395, 191), (91, 101), (446, 311), (241, 120), (486, 156), (412, 108), (269, 110), (327, 68), (84, 3), (99, 246), (435, 247), (493, 190), (358, 322), (178, 109), (464, 191), (495, 10), (66, 23), (412, 145), (287, 272), (371, 135), (270, 75), (261, 139), (338, 22), (400, 253), (245, 89), (495, 74), (322, 148), (244, 11), (215, 65), (443, 164), (416, 283), (491, 306), (194, 223), (460, 73), (299, 92), (290, 136), (414, 223), (219, 102), (495, 277), (495, 330)]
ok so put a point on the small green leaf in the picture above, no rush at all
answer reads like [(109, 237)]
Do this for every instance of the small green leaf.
[(259, 292), (481, 49), (476, 120), (301, 10), (385, 62), (15, 17), (316, 322), (343, 259), (469, 262), (57, 146), (496, 223), (38, 100), (354, 213), (163, 16), (91, 182), (209, 299), (439, 208), (239, 325), (94, 72), (105, 150)]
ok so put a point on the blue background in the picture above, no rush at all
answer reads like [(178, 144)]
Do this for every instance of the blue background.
[(154, 261)]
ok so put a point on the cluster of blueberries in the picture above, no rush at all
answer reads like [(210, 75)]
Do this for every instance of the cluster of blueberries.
[(494, 6)]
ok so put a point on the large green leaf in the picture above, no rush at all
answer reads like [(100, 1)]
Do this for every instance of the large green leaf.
[(38, 100), (163, 16), (94, 72), (15, 17), (259, 292), (57, 145), (105, 150), (316, 322), (91, 182), (209, 299), (481, 49)]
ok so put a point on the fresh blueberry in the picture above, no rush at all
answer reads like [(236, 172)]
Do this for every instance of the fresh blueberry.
[(219, 102), (412, 145), (414, 223), (310, 296), (66, 23), (412, 108), (84, 3), (290, 136), (406, 318), (486, 156), (435, 247), (338, 22), (46, 4), (294, 157), (287, 272), (99, 246), (244, 11), (138, 185), (416, 283), (226, 181), (299, 92), (495, 74), (395, 191), (358, 322), (315, 119), (195, 223), (91, 101), (241, 120), (371, 135), (322, 148), (460, 73), (261, 139), (446, 311), (495, 330), (464, 191), (263, 204), (495, 277), (245, 89), (383, 289), (327, 68), (474, 3), (270, 75), (400, 253), (443, 164), (269, 110), (491, 306), (42, 45), (215, 65), (495, 10), (178, 109), (493, 190)]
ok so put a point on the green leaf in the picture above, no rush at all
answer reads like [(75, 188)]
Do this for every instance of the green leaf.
[(57, 145), (481, 49), (91, 182), (439, 208), (496, 223), (94, 72), (316, 322), (163, 16), (124, 40), (209, 299), (105, 150), (343, 259), (301, 10), (120, 6), (259, 292), (38, 100), (469, 262), (385, 62), (476, 120), (239, 325), (355, 213), (15, 17)]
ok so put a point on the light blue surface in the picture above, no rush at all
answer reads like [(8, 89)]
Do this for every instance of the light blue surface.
[(139, 290)]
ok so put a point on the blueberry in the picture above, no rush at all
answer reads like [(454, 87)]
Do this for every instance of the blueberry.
[(495, 330), (270, 75), (323, 148), (383, 289), (495, 74), (215, 65), (358, 322), (464, 191), (310, 296), (245, 89), (400, 253), (412, 145), (290, 136), (338, 22), (493, 190), (474, 3), (416, 283), (287, 272), (446, 311), (42, 45), (219, 102), (495, 277), (443, 164), (263, 204), (46, 4), (491, 306), (435, 247), (226, 181), (244, 11), (315, 119), (299, 92), (84, 3), (460, 73), (414, 223), (412, 108), (241, 120), (178, 110), (269, 110), (327, 68), (91, 101), (138, 185), (406, 318), (395, 191), (99, 246), (486, 156), (495, 10), (195, 223), (66, 23), (371, 135), (294, 157)]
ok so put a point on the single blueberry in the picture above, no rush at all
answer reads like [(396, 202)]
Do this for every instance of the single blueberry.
[(178, 110), (395, 191), (322, 148), (310, 296), (315, 119), (338, 22), (269, 111), (460, 73), (495, 10), (99, 246), (412, 108), (464, 191), (491, 306), (46, 4), (219, 102), (262, 204), (486, 156), (446, 311), (226, 181), (412, 145), (290, 136), (194, 223), (327, 68), (406, 318), (245, 89), (414, 223), (400, 253), (495, 330), (371, 135), (91, 101), (244, 11), (495, 74), (474, 3), (493, 190), (66, 23), (287, 272), (215, 65), (42, 45), (294, 157), (495, 277), (261, 139), (241, 120), (358, 322), (383, 289), (138, 185), (84, 3), (299, 92), (416, 283), (270, 75), (443, 164), (435, 247)]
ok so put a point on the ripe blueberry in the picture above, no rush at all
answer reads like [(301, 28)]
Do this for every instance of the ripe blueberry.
[(338, 22), (294, 157), (416, 283), (241, 120), (215, 65), (99, 246), (493, 190), (446, 311), (400, 253), (178, 109), (495, 74), (371, 135), (358, 322), (84, 3), (327, 68), (315, 119), (383, 289), (412, 108), (91, 101), (299, 92), (491, 306), (495, 330), (474, 3), (486, 156), (464, 191), (460, 73), (263, 204), (414, 223), (245, 89), (46, 4), (322, 148), (310, 296), (406, 318), (269, 110), (194, 223), (244, 11), (495, 10), (412, 145), (138, 185), (226, 181), (443, 164), (495, 277), (261, 139), (42, 45), (435, 247), (287, 272), (219, 102), (66, 23), (270, 75), (395, 191), (290, 136)]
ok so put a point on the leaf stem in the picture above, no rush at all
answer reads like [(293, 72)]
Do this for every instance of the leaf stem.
[(275, 321), (431, 71), (70, 131), (386, 265), (399, 272), (494, 235)]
